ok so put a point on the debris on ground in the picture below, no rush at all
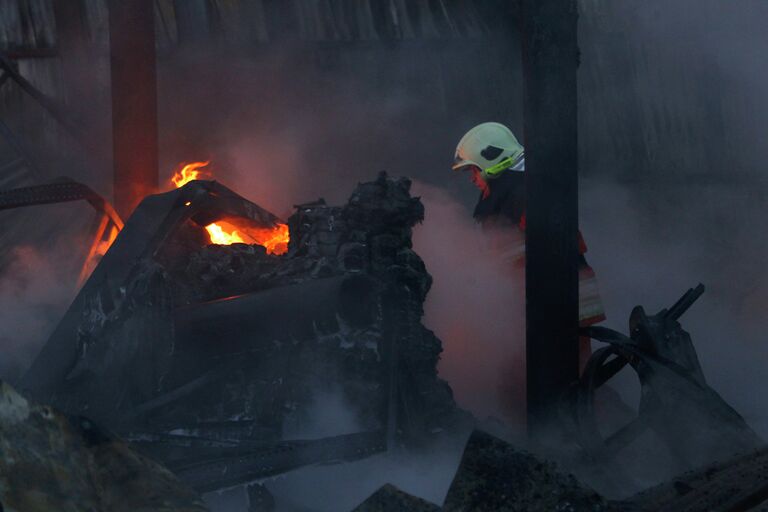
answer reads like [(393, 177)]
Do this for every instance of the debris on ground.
[(51, 461)]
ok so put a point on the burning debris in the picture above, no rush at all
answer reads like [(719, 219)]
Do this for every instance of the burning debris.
[(274, 239), (209, 356)]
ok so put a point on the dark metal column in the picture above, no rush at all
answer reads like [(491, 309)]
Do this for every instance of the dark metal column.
[(550, 60), (134, 101)]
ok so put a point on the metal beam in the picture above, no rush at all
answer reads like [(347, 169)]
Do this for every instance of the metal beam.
[(134, 102), (550, 60)]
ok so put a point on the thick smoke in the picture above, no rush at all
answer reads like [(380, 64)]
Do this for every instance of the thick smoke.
[(475, 307), (674, 190), (38, 281)]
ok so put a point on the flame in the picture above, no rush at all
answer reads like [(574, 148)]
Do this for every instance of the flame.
[(189, 172), (99, 247), (274, 240), (220, 237)]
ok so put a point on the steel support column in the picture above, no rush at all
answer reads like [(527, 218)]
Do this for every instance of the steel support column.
[(134, 102), (550, 60)]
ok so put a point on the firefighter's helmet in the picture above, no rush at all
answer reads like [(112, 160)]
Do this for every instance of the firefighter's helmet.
[(492, 148)]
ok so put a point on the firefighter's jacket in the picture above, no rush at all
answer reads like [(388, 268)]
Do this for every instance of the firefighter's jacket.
[(502, 215)]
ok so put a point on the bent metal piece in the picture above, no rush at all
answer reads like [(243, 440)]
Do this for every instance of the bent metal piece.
[(65, 191), (222, 467), (690, 417), (155, 220)]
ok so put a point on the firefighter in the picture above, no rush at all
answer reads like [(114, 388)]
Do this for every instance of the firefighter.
[(496, 163)]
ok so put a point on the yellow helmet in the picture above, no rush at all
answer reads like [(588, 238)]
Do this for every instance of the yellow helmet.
[(491, 147)]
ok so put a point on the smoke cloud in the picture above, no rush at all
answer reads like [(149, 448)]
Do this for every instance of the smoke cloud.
[(475, 306), (36, 286)]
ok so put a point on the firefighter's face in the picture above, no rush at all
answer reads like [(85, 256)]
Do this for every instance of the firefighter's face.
[(476, 175)]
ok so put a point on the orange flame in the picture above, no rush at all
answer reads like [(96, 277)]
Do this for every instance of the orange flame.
[(189, 172), (219, 236), (99, 247), (274, 240)]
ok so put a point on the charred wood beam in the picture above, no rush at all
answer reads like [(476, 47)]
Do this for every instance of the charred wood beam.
[(297, 311), (248, 465), (550, 57), (134, 101), (31, 53)]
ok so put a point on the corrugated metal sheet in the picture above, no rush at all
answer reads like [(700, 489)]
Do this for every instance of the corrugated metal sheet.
[(26, 24), (30, 23)]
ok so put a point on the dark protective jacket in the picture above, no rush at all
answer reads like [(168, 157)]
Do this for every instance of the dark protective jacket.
[(502, 214)]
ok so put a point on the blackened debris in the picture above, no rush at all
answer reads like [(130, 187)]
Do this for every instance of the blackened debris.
[(260, 499), (245, 345), (495, 476), (52, 461), (391, 499)]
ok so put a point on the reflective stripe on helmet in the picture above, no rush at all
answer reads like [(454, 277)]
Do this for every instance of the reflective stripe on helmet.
[(505, 164)]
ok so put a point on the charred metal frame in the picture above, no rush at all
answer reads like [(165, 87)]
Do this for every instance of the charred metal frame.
[(152, 223)]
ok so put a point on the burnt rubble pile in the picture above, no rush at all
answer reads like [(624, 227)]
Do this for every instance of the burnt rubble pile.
[(362, 249), (217, 360), (495, 476), (53, 461)]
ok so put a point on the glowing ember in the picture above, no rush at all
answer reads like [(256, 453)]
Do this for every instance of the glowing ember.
[(189, 172), (274, 240)]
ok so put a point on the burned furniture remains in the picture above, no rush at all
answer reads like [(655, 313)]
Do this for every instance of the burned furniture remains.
[(694, 422), (217, 358)]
